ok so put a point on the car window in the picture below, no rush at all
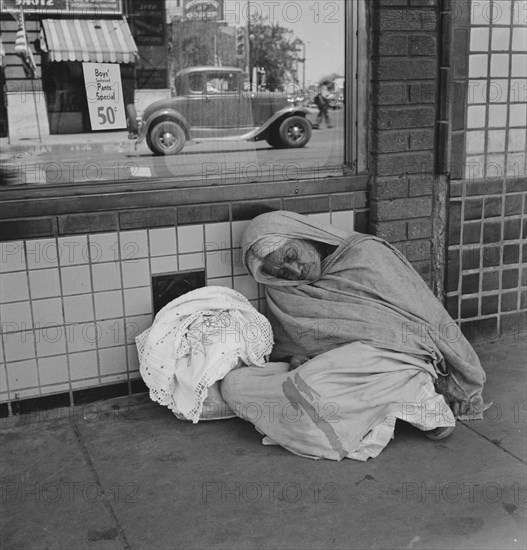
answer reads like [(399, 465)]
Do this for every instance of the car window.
[(195, 83), (222, 82)]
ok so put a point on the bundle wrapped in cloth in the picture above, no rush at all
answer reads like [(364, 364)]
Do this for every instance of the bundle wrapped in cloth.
[(193, 343)]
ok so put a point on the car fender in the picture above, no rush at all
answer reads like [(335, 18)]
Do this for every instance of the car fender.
[(145, 125), (262, 131)]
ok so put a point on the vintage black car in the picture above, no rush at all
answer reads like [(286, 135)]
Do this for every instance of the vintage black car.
[(214, 103)]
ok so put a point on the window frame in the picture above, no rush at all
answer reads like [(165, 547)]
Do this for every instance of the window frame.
[(29, 201)]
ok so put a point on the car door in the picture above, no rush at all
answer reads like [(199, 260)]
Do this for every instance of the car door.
[(245, 113), (194, 106), (222, 100)]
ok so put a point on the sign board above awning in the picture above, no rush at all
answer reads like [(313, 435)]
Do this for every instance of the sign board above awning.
[(72, 7), (88, 40), (203, 10)]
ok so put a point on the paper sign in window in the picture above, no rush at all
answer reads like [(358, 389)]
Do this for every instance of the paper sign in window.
[(104, 95)]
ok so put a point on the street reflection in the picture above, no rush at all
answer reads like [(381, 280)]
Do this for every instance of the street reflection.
[(238, 91)]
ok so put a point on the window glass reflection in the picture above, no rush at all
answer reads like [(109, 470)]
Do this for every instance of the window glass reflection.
[(184, 90)]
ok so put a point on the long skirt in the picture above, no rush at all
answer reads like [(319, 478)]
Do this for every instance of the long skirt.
[(340, 404)]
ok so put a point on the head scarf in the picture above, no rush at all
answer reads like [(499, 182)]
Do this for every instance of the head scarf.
[(269, 232)]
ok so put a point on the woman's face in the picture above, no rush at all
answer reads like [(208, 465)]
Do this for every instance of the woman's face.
[(297, 260)]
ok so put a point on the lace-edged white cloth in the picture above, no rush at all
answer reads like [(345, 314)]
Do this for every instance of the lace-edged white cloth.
[(195, 341)]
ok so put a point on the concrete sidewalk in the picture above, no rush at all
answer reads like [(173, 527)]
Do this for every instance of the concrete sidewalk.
[(126, 474)]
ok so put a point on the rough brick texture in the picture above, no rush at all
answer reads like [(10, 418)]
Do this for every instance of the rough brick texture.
[(405, 64)]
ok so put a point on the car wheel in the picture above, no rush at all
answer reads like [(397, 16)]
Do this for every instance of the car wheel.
[(295, 132), (166, 138)]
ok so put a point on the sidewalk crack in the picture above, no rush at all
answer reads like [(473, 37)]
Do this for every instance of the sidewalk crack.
[(105, 499), (523, 461)]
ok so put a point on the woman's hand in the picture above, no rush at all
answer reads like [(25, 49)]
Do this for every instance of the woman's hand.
[(297, 360)]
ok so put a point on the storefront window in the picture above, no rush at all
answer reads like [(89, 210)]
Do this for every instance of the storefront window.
[(183, 91)]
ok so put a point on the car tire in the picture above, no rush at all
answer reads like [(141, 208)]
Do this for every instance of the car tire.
[(295, 132), (166, 137)]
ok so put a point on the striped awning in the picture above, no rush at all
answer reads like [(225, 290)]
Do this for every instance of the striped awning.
[(89, 40)]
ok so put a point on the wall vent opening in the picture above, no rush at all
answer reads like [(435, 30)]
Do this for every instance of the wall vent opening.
[(169, 286)]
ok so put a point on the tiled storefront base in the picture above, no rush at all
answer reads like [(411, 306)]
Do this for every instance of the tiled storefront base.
[(72, 306), (487, 260)]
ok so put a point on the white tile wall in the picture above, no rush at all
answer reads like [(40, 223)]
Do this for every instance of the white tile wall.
[(516, 164), (475, 167), (72, 307), (519, 65), (478, 66), (519, 39), (42, 254), (73, 250), (517, 139), (78, 309), (165, 264), (475, 142), (13, 287), (16, 316), (188, 262), (163, 241), (106, 276), (83, 365), (190, 239), (518, 115), (53, 370), (502, 12), (76, 279), (479, 40), (497, 116), (499, 65), (497, 105), (500, 38), (133, 244), (496, 141), (103, 247), (108, 304), (23, 374), (138, 301), (238, 229), (12, 256), (476, 116), (217, 236), (135, 273), (218, 263)]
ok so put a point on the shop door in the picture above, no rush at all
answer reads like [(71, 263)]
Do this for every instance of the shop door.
[(66, 99)]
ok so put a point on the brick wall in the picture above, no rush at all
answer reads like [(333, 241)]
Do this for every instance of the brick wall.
[(405, 62), (472, 171)]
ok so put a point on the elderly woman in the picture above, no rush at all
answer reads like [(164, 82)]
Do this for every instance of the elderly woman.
[(368, 342)]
